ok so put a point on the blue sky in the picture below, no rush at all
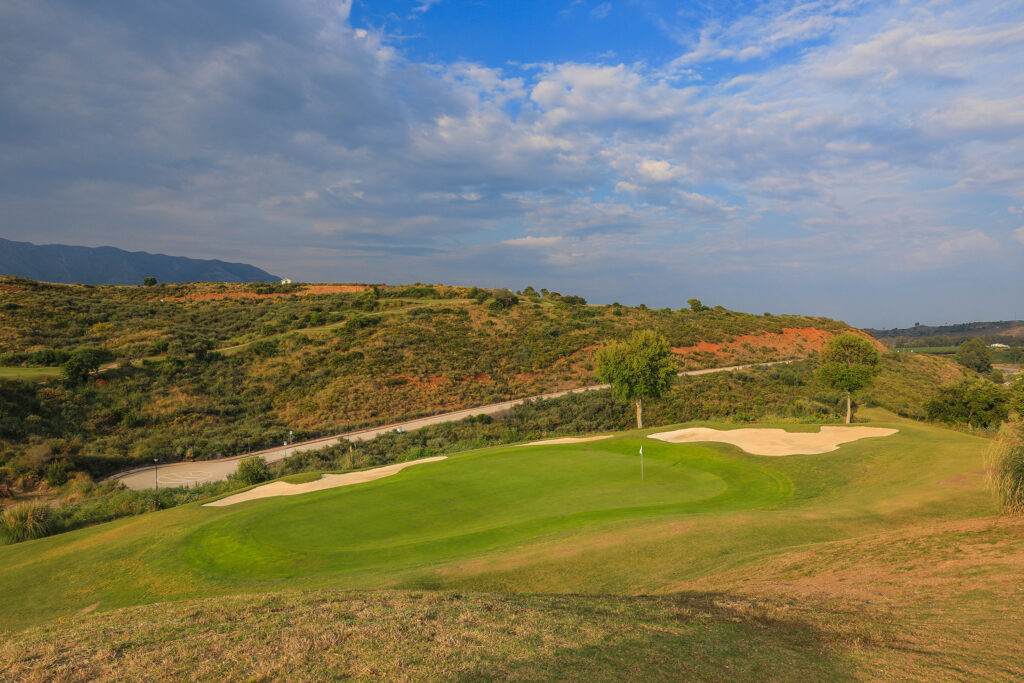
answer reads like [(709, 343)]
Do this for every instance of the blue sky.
[(860, 160)]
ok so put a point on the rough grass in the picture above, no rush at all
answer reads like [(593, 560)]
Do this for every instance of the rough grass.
[(1006, 469), (433, 636), (936, 602), (28, 374)]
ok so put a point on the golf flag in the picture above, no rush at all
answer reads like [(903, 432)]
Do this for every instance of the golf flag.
[(641, 462)]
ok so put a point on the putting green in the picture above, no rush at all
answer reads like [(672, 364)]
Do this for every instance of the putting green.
[(471, 504)]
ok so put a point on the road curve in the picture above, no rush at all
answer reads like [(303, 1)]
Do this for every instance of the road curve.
[(205, 471)]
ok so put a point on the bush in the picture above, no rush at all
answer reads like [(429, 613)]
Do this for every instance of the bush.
[(1006, 469), (252, 470), (56, 474), (28, 521), (970, 402)]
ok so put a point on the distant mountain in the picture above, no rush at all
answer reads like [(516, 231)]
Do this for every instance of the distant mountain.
[(112, 266), (992, 331)]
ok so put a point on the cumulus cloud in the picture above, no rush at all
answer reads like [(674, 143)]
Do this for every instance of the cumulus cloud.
[(282, 130)]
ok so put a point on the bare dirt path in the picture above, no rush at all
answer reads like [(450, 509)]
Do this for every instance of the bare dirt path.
[(205, 471)]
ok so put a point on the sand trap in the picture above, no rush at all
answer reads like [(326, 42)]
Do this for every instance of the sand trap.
[(567, 439), (327, 481), (776, 441)]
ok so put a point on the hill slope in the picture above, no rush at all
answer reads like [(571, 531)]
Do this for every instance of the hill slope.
[(873, 561), (112, 266), (202, 369)]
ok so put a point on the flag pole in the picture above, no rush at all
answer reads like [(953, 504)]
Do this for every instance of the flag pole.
[(641, 462)]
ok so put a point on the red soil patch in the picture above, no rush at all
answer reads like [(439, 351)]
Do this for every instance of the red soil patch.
[(482, 378), (12, 288), (430, 383), (101, 382), (792, 341), (311, 289), (524, 376)]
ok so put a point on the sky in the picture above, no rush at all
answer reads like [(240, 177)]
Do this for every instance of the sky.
[(853, 159)]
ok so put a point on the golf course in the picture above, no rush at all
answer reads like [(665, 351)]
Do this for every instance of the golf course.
[(712, 552)]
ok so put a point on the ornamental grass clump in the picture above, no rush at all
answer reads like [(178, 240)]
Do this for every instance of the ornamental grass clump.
[(27, 521), (1006, 469)]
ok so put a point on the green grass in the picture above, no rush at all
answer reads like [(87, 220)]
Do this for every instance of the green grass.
[(28, 374), (879, 560), (569, 518)]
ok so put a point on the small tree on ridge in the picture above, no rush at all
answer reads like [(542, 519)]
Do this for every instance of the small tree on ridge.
[(637, 369), (848, 363)]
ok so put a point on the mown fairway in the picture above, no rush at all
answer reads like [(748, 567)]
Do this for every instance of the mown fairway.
[(568, 518)]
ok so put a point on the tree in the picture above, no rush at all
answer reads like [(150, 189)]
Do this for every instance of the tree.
[(696, 306), (83, 362), (848, 363), (149, 282), (252, 470), (637, 369), (971, 402), (974, 354)]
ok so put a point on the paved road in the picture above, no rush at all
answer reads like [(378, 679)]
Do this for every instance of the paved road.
[(204, 471)]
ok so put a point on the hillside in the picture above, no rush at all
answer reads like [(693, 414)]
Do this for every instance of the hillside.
[(112, 266), (1004, 331), (197, 371), (879, 560)]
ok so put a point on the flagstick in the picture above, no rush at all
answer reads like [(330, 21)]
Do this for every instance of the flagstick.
[(641, 463)]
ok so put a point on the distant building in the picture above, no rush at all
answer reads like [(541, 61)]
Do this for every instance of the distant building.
[(998, 346), (286, 281)]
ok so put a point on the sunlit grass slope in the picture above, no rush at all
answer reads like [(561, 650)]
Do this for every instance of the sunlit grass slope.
[(541, 519)]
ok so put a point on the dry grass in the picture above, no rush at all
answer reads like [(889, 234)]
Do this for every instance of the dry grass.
[(430, 636)]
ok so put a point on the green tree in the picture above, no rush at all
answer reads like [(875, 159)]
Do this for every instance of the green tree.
[(848, 363), (696, 306), (149, 282), (974, 354), (83, 362), (637, 369), (252, 470), (971, 402)]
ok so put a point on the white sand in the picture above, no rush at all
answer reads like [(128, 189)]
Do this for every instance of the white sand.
[(327, 481), (567, 439), (776, 441)]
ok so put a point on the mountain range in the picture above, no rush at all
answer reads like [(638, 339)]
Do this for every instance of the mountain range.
[(112, 266)]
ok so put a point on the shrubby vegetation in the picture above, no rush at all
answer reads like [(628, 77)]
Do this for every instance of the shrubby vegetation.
[(972, 402), (208, 378), (1006, 471), (974, 354)]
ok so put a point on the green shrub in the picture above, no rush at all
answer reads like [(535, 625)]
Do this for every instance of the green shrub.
[(252, 470), (1006, 469), (56, 474), (970, 402), (27, 521)]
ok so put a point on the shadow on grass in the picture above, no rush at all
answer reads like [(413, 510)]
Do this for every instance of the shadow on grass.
[(687, 636)]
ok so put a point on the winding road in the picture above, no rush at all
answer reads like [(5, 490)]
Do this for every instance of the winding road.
[(205, 471)]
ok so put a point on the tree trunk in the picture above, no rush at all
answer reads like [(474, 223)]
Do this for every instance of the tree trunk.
[(639, 414), (849, 411)]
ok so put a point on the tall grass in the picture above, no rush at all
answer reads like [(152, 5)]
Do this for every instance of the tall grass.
[(1006, 469), (27, 521)]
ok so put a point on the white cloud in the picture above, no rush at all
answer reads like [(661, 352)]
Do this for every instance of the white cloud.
[(1018, 234)]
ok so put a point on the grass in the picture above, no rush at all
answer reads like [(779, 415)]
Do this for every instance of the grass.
[(28, 374), (823, 566)]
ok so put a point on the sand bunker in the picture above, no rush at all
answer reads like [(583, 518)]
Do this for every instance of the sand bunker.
[(327, 481), (776, 441), (567, 439)]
